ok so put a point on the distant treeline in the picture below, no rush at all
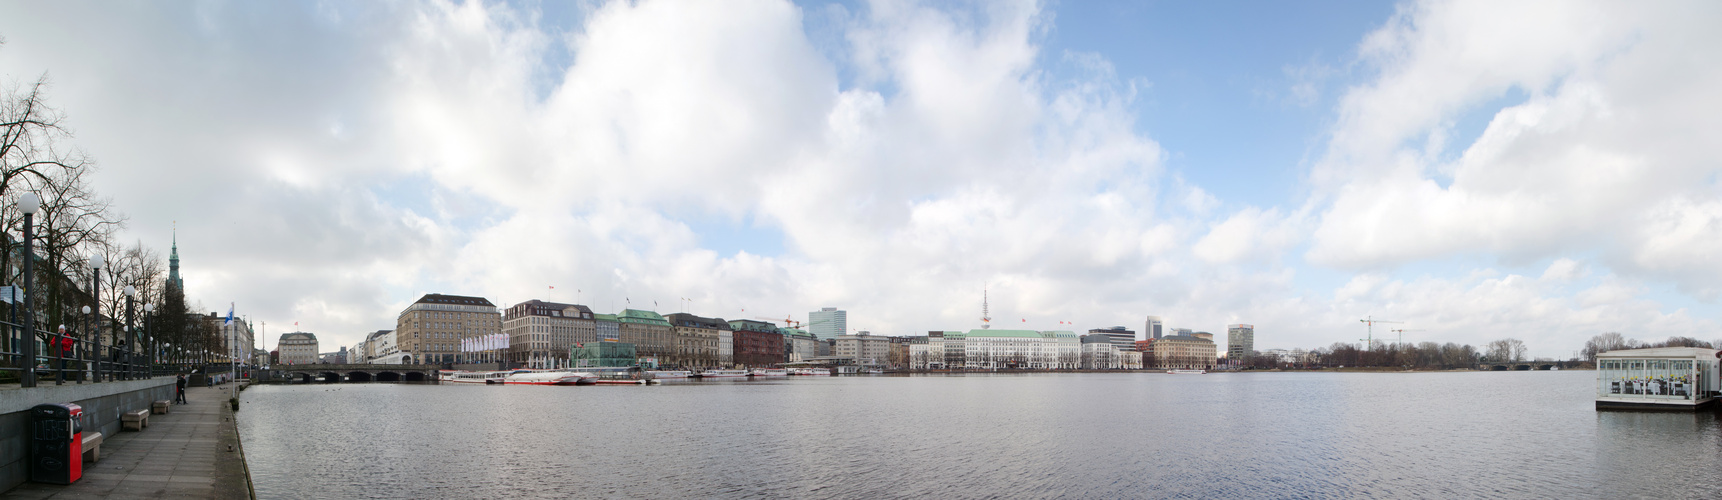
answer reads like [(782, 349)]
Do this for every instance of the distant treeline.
[(1614, 341), (1448, 356)]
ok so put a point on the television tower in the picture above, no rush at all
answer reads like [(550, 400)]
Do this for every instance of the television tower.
[(986, 317)]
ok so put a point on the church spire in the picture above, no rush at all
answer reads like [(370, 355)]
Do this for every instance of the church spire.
[(173, 261)]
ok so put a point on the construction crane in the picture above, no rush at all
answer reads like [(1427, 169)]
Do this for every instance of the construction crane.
[(1371, 321), (1401, 333), (790, 322)]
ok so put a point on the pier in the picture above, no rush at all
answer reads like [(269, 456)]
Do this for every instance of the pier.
[(192, 451)]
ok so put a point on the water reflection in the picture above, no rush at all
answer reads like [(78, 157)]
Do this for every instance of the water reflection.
[(1268, 435)]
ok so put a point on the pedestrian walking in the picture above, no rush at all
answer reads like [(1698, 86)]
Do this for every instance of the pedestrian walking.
[(179, 396)]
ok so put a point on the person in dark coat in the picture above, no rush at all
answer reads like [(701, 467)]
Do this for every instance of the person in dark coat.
[(179, 396)]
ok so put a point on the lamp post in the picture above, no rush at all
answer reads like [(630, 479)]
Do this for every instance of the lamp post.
[(96, 262), (29, 203), (149, 336), (91, 373), (130, 343)]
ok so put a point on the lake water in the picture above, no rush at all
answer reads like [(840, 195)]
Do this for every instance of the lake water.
[(1134, 435)]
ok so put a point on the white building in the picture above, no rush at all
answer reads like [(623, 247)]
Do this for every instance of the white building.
[(383, 348), (1020, 349), (297, 348), (726, 347)]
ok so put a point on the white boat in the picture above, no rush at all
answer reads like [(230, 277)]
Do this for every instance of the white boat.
[(769, 372), (470, 377), (670, 373), (723, 373), (809, 371), (1186, 372), (550, 377)]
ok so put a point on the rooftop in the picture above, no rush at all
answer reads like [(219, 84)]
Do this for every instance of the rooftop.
[(437, 298), (1662, 352)]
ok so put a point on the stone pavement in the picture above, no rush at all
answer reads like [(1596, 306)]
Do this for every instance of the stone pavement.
[(183, 454)]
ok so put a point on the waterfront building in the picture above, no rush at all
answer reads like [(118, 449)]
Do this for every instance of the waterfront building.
[(381, 344), (1019, 349), (297, 348), (1181, 352), (234, 338), (827, 323), (898, 358), (1122, 338), (955, 346), (726, 347), (357, 355), (653, 339), (333, 358), (1287, 356), (928, 352), (757, 343), (1153, 329), (607, 328), (863, 348), (1664, 378), (1098, 353), (540, 333), (431, 329), (799, 345), (696, 339), (1240, 342), (918, 353), (603, 354)]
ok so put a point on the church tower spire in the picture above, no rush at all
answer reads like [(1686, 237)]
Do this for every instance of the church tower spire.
[(173, 262)]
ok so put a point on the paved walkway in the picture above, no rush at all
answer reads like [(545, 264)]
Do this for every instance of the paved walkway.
[(183, 454)]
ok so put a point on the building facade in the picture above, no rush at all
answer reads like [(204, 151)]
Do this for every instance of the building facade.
[(654, 341), (380, 344), (696, 340), (1121, 338), (827, 323), (1181, 352), (431, 329), (757, 343), (1154, 328), (1240, 341), (798, 345), (540, 333), (863, 349), (297, 348)]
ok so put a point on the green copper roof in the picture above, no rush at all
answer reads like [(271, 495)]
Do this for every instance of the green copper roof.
[(604, 317), (642, 317)]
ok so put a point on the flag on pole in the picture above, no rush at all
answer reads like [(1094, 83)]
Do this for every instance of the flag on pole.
[(230, 314)]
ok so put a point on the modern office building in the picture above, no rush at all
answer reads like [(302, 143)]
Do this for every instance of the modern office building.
[(827, 323), (863, 348), (798, 345), (1122, 338), (1154, 328), (297, 348), (540, 333), (1240, 341)]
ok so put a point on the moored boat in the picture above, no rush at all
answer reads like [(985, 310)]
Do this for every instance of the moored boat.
[(472, 377), (1186, 372), (769, 372), (723, 373), (550, 377), (809, 371), (669, 373)]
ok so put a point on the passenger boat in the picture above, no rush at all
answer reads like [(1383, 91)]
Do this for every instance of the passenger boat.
[(809, 371), (470, 377), (769, 372), (550, 377), (1186, 372), (723, 373), (1663, 378), (669, 373)]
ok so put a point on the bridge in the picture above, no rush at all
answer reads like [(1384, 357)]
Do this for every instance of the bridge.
[(337, 374), (1506, 366)]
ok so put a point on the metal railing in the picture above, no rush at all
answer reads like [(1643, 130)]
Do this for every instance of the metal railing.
[(76, 357)]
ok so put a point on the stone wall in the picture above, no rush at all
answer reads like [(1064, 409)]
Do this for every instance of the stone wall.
[(103, 403)]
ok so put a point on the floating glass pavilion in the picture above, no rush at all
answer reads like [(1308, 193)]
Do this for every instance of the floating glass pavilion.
[(1664, 378)]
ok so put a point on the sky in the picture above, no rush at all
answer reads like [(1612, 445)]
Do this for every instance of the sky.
[(1546, 171)]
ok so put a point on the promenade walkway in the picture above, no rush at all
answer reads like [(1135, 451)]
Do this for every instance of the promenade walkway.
[(183, 454)]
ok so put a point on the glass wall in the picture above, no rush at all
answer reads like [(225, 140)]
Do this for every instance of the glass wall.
[(1652, 378)]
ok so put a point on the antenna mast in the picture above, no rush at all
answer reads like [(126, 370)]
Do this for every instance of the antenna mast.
[(986, 317)]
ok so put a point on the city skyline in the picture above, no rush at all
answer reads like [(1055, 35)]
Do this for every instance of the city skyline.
[(1540, 171)]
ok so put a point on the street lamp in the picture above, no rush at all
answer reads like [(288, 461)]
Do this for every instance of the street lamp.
[(97, 376), (96, 262), (29, 204), (130, 343), (150, 354)]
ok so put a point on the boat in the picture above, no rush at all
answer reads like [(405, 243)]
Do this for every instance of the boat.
[(550, 377), (669, 373), (723, 373), (769, 372), (471, 377), (809, 371), (1186, 372), (875, 371)]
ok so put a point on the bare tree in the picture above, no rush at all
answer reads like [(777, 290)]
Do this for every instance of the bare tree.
[(1602, 343), (30, 153)]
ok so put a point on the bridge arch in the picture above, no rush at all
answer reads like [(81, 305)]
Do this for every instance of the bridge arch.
[(415, 377), (329, 378), (359, 377), (388, 377)]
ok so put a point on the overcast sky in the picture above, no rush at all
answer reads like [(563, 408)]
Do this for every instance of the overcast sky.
[(1540, 170)]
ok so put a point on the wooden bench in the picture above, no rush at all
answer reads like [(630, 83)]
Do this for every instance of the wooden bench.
[(134, 420), (160, 407), (92, 447)]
